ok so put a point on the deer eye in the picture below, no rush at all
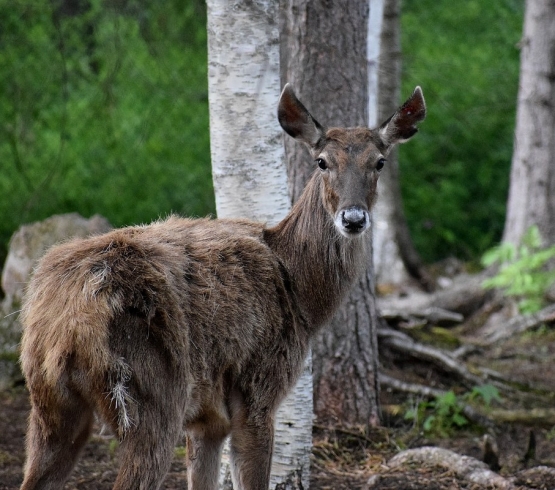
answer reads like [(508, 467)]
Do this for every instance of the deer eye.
[(380, 163), (322, 163)]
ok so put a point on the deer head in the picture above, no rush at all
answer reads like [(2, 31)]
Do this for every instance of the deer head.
[(350, 159)]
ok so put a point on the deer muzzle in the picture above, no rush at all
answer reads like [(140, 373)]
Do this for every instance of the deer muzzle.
[(352, 221)]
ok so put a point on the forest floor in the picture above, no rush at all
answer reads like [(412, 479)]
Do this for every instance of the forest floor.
[(521, 452)]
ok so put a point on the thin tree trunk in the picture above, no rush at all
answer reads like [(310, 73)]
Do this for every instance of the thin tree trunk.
[(250, 179), (384, 70), (532, 187), (323, 55), (395, 258)]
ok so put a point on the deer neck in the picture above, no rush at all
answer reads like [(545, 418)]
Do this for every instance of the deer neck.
[(322, 263)]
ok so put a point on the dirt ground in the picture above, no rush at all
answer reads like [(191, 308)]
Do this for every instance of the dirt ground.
[(351, 459), (342, 459)]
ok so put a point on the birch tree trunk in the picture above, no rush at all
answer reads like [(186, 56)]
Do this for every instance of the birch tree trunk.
[(395, 258), (532, 186), (383, 92), (323, 55), (249, 176)]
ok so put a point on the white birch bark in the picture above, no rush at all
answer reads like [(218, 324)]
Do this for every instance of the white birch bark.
[(375, 23), (248, 168), (532, 186), (388, 264)]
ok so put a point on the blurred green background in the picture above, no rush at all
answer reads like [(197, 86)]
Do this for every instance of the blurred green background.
[(455, 175), (104, 109)]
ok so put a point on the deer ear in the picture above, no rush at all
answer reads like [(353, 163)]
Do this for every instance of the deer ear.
[(296, 120), (402, 125)]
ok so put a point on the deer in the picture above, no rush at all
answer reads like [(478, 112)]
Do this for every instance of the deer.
[(197, 327)]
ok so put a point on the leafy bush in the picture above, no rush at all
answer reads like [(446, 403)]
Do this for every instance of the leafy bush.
[(445, 413), (455, 175), (103, 111), (523, 270)]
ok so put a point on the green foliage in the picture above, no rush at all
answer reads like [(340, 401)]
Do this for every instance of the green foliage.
[(523, 273), (486, 394), (103, 111), (445, 414), (113, 446), (106, 111), (180, 452), (454, 175)]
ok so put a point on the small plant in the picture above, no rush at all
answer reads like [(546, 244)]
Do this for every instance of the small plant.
[(445, 413), (439, 416), (113, 447), (523, 272), (180, 452), (487, 393)]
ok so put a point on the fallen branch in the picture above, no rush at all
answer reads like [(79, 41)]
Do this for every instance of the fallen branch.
[(412, 388), (520, 324), (402, 342), (429, 315), (465, 467), (464, 351), (464, 297), (540, 417)]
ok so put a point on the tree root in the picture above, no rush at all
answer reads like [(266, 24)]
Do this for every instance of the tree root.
[(520, 324), (539, 417), (446, 307), (465, 467), (403, 343), (427, 315), (465, 296)]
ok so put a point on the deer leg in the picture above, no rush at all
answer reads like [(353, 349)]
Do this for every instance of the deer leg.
[(251, 456), (204, 451), (147, 449), (57, 432), (252, 444)]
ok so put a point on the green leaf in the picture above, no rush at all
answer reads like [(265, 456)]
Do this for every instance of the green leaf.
[(429, 423), (523, 273), (532, 238), (459, 420), (410, 414), (487, 392)]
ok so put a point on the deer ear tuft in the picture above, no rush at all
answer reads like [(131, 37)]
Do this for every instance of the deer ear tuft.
[(401, 126), (296, 120)]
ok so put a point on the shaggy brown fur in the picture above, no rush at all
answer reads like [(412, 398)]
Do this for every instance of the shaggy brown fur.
[(201, 324)]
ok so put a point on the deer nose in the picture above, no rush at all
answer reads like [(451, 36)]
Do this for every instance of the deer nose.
[(354, 219)]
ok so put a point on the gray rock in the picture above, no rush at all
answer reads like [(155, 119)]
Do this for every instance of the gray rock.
[(27, 245)]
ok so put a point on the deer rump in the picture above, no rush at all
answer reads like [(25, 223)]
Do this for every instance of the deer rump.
[(188, 307)]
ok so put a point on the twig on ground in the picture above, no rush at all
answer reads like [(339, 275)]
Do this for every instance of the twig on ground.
[(402, 342)]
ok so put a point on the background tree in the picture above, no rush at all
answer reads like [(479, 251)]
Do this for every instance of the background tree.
[(395, 257), (249, 176), (532, 186), (323, 55)]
